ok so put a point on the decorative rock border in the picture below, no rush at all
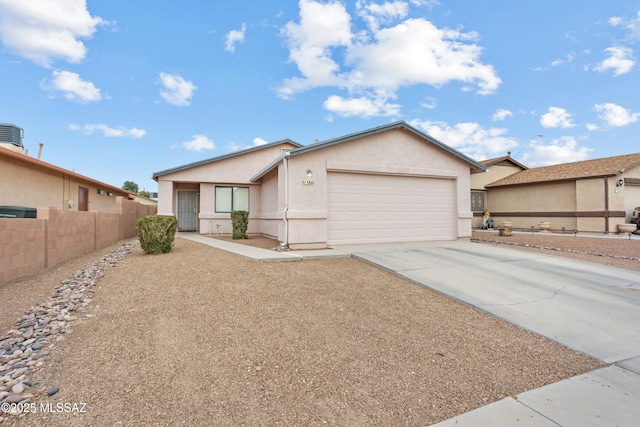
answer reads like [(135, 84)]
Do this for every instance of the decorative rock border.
[(35, 333), (551, 248)]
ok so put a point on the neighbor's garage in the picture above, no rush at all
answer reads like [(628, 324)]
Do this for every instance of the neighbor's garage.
[(367, 208)]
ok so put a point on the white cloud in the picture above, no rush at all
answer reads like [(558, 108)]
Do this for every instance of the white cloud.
[(556, 118), (109, 132), (592, 127), (429, 103), (470, 138), (177, 91), (615, 115), (632, 25), (620, 60), (417, 52), (259, 141), (375, 14), (360, 107), (44, 30), (562, 150), (374, 65), (73, 87), (321, 27), (501, 114), (234, 37), (199, 143), (557, 62)]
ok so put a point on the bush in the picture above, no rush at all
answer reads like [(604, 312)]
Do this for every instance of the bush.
[(239, 223), (156, 233)]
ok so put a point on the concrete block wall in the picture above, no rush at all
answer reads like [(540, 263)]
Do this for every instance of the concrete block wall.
[(29, 245), (22, 247), (68, 234)]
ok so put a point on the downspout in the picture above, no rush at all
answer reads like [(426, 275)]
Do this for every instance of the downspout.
[(285, 210), (606, 205)]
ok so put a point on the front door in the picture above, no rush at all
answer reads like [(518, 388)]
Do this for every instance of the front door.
[(83, 199), (187, 210)]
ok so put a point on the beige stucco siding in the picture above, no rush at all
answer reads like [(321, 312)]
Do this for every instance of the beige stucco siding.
[(492, 174), (556, 197), (395, 152), (33, 186)]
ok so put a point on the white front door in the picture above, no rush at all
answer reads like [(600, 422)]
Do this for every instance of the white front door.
[(187, 210)]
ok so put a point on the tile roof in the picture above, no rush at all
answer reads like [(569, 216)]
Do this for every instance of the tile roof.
[(608, 166)]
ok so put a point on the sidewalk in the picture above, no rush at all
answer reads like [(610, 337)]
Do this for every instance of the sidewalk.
[(264, 255)]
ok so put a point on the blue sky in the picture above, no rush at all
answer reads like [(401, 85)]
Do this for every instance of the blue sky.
[(117, 90)]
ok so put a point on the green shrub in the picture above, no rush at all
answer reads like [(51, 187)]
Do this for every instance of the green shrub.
[(156, 233), (240, 223)]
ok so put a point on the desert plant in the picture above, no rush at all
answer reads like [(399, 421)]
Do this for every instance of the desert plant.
[(156, 233), (239, 224)]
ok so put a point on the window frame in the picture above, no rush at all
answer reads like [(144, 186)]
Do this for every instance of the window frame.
[(479, 195), (233, 195)]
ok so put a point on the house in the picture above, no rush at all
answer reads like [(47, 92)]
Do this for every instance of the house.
[(385, 184), (30, 182), (496, 169), (591, 195)]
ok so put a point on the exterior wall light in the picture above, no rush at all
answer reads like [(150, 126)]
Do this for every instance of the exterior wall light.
[(620, 183), (308, 180)]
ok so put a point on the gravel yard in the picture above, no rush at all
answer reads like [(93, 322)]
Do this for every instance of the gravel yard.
[(202, 337)]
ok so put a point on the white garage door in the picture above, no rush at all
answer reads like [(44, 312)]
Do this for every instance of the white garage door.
[(380, 208)]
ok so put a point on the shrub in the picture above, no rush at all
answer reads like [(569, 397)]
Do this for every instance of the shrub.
[(156, 233), (239, 223)]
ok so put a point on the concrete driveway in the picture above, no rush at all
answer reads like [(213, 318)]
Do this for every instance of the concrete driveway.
[(590, 308)]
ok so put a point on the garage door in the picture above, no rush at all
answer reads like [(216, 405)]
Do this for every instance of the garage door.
[(366, 208)]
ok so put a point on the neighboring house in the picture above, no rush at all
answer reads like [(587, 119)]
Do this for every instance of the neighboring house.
[(29, 182), (144, 200), (386, 184), (497, 169), (591, 195)]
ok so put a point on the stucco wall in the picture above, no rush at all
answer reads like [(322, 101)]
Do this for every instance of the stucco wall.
[(394, 152), (232, 171), (492, 174), (34, 186)]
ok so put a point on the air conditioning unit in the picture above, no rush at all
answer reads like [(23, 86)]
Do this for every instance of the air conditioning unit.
[(11, 137)]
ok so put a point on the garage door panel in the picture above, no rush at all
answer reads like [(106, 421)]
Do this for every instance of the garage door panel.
[(376, 208)]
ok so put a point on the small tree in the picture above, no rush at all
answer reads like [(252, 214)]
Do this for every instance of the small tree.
[(239, 224), (131, 186), (144, 193)]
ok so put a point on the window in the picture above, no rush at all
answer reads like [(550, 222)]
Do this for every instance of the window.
[(232, 199), (477, 201)]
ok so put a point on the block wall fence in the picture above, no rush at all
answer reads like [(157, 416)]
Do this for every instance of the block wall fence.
[(28, 245)]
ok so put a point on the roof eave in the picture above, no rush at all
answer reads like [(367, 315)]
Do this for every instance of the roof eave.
[(395, 125), (222, 157), (269, 167), (574, 178)]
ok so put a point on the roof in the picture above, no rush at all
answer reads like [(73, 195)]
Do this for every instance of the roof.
[(223, 157), (608, 166), (503, 161), (395, 125), (56, 169)]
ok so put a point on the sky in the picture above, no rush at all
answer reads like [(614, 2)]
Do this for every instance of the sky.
[(117, 90)]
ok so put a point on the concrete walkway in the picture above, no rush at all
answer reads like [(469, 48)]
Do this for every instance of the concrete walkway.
[(590, 308)]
